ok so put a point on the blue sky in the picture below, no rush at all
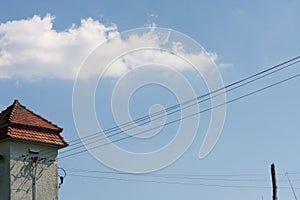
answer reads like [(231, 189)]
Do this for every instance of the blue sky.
[(43, 44)]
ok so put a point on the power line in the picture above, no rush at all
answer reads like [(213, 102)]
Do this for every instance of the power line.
[(168, 174), (174, 182), (296, 59), (185, 183), (260, 75), (188, 116), (174, 176), (294, 193), (188, 106), (117, 133), (207, 177)]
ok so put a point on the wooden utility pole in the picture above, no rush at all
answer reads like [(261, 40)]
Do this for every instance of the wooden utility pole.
[(273, 175)]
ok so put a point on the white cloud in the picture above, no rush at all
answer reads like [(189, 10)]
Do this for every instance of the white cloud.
[(32, 49)]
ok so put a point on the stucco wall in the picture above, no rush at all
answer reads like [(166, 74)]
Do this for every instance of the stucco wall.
[(23, 169), (4, 171)]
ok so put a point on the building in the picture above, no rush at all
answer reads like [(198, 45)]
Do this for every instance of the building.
[(28, 155)]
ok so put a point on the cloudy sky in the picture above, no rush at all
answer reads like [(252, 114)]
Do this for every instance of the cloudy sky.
[(45, 47)]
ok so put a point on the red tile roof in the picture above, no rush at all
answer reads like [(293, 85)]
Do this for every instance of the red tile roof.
[(17, 122)]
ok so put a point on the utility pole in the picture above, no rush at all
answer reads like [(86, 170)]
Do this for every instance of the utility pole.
[(273, 175)]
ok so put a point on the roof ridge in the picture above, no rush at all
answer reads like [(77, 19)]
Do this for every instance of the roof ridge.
[(12, 112)]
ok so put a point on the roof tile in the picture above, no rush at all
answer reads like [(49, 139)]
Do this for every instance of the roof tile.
[(18, 122)]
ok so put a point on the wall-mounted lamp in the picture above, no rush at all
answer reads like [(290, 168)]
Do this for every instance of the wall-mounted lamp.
[(34, 151)]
